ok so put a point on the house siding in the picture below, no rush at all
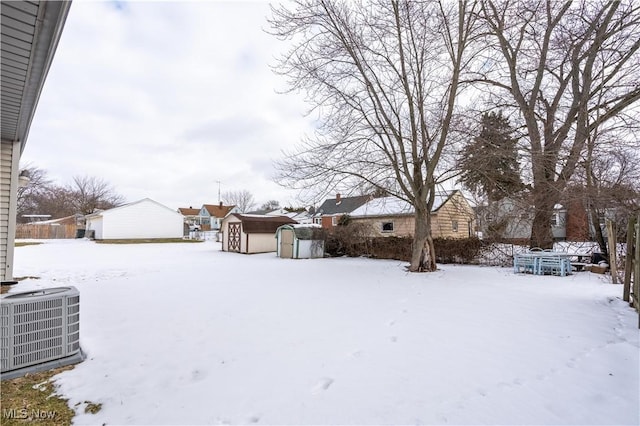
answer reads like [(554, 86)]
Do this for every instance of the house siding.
[(577, 222), (456, 209), (205, 219), (327, 222), (403, 226), (514, 220), (9, 158)]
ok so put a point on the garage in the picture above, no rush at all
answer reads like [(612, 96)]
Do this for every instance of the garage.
[(143, 219)]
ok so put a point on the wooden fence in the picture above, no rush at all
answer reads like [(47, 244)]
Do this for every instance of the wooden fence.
[(45, 232), (631, 289)]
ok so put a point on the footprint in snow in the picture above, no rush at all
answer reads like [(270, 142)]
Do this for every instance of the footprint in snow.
[(356, 354), (197, 375), (322, 385), (393, 339)]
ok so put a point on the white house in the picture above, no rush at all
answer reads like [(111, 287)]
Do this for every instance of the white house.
[(139, 220), (299, 216), (30, 35), (211, 215)]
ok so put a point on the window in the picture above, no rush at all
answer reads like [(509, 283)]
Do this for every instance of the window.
[(317, 220), (334, 220), (454, 225), (387, 226), (557, 219)]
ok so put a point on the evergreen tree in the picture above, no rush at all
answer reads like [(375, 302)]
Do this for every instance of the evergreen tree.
[(489, 164)]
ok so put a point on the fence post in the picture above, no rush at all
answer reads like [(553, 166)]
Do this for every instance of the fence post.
[(613, 253), (636, 274), (628, 261)]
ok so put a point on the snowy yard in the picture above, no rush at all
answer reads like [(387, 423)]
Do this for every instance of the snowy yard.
[(187, 334)]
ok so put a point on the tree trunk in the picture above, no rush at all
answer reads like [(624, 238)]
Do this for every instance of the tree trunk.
[(541, 235), (594, 217), (423, 256)]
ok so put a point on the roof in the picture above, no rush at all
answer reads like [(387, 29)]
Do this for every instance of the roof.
[(72, 218), (392, 206), (216, 210), (308, 231), (346, 205), (297, 215), (102, 212), (262, 224), (30, 35), (188, 211)]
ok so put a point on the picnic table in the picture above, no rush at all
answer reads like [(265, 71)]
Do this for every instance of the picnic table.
[(579, 260), (546, 262)]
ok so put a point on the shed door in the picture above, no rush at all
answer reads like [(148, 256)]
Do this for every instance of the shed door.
[(286, 243), (234, 236)]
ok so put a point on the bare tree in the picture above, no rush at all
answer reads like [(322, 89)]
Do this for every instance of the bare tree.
[(85, 195), (32, 191), (612, 183), (92, 193), (270, 206), (556, 64), (384, 76), (58, 201), (242, 199)]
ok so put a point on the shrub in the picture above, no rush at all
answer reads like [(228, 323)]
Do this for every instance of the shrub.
[(348, 240), (398, 248), (353, 240), (450, 250)]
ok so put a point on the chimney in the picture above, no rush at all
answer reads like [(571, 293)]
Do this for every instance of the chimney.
[(338, 199), (220, 204)]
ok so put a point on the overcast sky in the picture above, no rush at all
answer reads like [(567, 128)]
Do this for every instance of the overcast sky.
[(164, 99)]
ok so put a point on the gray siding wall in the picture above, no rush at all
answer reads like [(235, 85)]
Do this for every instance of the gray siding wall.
[(9, 157)]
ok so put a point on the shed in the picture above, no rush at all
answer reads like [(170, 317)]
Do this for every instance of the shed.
[(143, 219), (248, 233), (303, 241)]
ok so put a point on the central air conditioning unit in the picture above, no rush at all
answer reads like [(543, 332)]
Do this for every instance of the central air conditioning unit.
[(40, 330)]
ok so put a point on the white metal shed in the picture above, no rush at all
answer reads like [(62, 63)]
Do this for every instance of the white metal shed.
[(300, 241), (143, 219)]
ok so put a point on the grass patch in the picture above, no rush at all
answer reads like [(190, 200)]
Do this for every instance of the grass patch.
[(147, 241), (92, 407), (31, 399), (24, 244)]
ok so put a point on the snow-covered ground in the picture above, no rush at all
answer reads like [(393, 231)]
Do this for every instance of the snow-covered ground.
[(187, 334)]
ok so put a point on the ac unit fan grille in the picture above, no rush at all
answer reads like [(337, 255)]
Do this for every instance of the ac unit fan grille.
[(40, 326)]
